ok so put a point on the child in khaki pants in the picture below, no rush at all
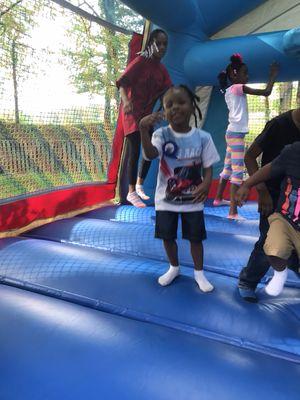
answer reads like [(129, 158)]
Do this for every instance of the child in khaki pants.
[(284, 232)]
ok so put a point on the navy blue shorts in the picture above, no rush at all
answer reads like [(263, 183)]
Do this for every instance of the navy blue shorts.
[(193, 226)]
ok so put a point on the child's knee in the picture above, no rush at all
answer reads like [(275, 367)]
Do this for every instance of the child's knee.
[(225, 174), (279, 242), (236, 180), (237, 176)]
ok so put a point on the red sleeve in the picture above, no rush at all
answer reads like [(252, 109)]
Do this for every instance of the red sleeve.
[(129, 75), (167, 80)]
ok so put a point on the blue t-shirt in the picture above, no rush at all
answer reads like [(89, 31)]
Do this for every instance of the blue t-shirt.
[(182, 157)]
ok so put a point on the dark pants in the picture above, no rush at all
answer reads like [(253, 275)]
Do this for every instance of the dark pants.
[(134, 143), (144, 168), (258, 263)]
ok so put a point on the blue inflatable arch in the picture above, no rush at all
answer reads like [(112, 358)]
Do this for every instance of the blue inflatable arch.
[(195, 59)]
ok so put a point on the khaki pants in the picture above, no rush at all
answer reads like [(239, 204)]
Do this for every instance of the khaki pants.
[(282, 238)]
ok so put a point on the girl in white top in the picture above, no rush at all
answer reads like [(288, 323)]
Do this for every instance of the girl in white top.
[(236, 100)]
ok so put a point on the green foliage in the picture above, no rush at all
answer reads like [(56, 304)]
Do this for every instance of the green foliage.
[(283, 98), (119, 14), (18, 60), (99, 55), (96, 57), (16, 23)]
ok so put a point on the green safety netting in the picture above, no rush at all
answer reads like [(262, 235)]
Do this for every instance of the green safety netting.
[(59, 103)]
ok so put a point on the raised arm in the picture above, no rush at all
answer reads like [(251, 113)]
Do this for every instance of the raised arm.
[(268, 89), (146, 124)]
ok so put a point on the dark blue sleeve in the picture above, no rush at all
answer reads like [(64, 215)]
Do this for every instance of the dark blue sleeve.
[(268, 135), (279, 164)]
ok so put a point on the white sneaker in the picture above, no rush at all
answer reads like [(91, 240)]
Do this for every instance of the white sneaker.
[(140, 192), (134, 199)]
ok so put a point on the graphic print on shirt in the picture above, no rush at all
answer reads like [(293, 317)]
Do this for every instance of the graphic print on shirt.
[(182, 159), (183, 181), (290, 206)]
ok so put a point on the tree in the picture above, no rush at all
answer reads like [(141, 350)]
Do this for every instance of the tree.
[(99, 55), (17, 21)]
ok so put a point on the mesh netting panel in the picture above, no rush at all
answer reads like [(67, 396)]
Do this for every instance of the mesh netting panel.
[(285, 96), (40, 157), (59, 102)]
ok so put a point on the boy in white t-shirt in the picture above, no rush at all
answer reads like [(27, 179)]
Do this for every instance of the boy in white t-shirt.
[(185, 172)]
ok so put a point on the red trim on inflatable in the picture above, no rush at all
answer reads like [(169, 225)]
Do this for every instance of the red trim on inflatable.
[(214, 187), (21, 213)]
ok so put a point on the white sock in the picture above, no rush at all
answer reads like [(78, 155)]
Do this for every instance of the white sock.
[(169, 276), (140, 191), (203, 283), (275, 286)]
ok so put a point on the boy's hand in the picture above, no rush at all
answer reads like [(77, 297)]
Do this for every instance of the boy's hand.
[(274, 69), (127, 107), (201, 193), (241, 195), (150, 120), (265, 203)]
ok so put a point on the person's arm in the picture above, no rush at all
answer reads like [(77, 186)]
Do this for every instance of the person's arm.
[(251, 164), (210, 156), (127, 79), (265, 202), (145, 125), (202, 190), (259, 176), (268, 89), (127, 104)]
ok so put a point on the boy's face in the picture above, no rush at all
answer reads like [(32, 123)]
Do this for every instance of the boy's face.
[(178, 108)]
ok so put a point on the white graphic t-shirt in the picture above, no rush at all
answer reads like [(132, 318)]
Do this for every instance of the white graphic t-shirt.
[(182, 157), (236, 101)]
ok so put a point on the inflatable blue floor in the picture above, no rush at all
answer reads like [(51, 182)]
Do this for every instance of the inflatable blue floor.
[(83, 317)]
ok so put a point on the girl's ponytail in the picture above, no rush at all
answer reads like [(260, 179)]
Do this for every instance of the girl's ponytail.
[(223, 81), (236, 62)]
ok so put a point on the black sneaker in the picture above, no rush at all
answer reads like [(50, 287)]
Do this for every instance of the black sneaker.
[(248, 294)]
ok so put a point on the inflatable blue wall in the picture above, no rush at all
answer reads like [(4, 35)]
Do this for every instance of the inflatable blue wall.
[(195, 59)]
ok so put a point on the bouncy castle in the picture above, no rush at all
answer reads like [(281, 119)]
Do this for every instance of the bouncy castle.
[(82, 314)]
